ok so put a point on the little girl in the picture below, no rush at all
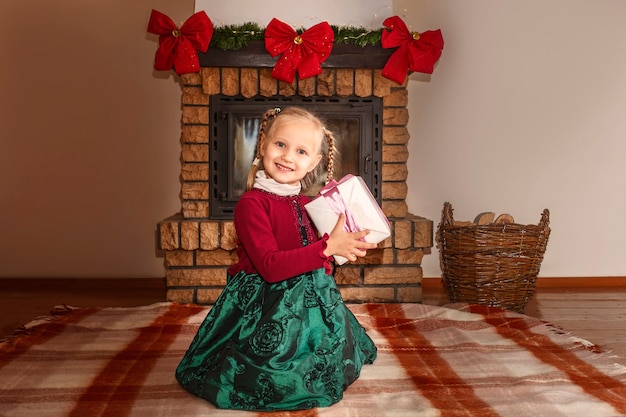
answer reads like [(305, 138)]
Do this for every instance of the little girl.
[(279, 337)]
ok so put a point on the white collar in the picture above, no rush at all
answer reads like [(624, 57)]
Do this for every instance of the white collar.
[(262, 182)]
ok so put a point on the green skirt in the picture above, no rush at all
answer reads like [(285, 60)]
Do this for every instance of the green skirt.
[(284, 346)]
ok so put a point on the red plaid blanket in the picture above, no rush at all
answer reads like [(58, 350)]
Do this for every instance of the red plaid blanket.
[(432, 361)]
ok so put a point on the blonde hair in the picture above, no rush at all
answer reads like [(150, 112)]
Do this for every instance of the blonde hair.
[(272, 120)]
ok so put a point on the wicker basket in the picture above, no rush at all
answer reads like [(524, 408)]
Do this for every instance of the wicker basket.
[(491, 264)]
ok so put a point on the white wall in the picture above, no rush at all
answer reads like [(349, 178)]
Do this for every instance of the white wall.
[(358, 13), (89, 138), (525, 111)]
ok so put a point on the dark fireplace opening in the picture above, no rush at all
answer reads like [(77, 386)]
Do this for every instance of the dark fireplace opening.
[(356, 123)]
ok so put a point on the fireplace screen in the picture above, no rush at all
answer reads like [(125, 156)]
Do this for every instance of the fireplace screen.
[(355, 122)]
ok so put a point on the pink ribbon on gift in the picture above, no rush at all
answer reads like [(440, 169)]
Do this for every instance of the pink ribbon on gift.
[(335, 201)]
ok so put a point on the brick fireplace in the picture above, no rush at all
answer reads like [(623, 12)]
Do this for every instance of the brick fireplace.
[(198, 250)]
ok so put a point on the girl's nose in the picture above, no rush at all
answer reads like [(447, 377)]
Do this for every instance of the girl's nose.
[(287, 157)]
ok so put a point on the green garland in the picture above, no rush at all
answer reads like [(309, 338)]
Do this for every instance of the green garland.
[(233, 37), (357, 36)]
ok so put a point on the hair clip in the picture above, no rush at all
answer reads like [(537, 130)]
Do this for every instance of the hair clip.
[(276, 111), (256, 161)]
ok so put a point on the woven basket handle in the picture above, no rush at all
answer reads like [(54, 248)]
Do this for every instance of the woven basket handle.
[(545, 218), (446, 214)]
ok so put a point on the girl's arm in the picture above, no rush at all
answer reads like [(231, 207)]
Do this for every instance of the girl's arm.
[(347, 244), (253, 227)]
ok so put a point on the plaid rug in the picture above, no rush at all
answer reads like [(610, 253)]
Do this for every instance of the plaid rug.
[(459, 360)]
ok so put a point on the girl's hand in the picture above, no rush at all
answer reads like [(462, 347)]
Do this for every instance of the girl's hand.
[(346, 244)]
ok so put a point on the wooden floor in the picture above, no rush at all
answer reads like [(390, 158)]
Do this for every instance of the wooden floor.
[(594, 314), (22, 300)]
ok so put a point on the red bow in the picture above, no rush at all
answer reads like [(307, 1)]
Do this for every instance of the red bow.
[(304, 53), (416, 51), (177, 46)]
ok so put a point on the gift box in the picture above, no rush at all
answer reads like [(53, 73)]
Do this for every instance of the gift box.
[(350, 196)]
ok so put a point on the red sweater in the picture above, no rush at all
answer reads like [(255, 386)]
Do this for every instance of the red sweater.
[(270, 238)]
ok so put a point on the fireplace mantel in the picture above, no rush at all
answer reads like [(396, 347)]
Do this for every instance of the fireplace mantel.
[(255, 55)]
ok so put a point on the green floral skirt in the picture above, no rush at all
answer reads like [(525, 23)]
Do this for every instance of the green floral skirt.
[(284, 346)]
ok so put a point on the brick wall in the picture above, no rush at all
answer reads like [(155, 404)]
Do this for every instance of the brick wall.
[(198, 250)]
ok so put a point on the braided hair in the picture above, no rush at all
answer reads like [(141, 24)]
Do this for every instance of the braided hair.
[(271, 120)]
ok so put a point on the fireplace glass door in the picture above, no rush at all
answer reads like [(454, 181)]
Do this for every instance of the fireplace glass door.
[(355, 122)]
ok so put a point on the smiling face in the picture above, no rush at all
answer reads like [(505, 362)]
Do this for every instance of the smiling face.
[(292, 151)]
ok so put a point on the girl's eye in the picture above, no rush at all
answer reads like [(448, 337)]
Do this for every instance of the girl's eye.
[(280, 144), (302, 152)]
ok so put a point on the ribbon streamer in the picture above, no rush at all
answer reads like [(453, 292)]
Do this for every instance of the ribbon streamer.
[(302, 53), (417, 52), (335, 201), (177, 46)]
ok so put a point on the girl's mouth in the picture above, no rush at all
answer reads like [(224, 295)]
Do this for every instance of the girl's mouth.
[(283, 168)]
